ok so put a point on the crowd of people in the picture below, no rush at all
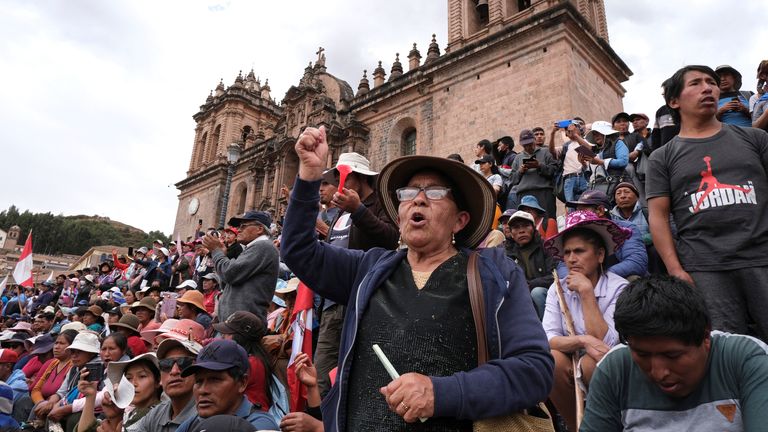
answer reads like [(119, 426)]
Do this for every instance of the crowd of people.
[(448, 296)]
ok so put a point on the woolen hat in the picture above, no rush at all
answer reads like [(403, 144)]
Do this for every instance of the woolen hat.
[(356, 161), (612, 234), (261, 217), (628, 185), (195, 298), (475, 194), (243, 323), (219, 355)]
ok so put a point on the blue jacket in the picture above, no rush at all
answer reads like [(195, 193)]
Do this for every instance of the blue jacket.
[(256, 417), (630, 259), (521, 372)]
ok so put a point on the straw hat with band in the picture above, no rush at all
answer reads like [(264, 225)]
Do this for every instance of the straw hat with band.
[(129, 321), (470, 190), (183, 329), (116, 374), (613, 235), (194, 298), (150, 335)]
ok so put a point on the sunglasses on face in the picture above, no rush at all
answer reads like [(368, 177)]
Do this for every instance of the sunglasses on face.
[(432, 192), (166, 364)]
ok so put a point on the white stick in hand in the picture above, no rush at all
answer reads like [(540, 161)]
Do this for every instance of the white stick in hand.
[(390, 369)]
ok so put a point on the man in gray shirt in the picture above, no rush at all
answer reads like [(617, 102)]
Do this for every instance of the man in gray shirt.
[(174, 356), (248, 281)]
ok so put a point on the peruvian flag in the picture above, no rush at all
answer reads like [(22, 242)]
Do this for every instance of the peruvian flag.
[(22, 274), (302, 342)]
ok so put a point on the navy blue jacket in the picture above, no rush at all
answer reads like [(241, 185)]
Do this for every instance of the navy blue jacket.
[(520, 373)]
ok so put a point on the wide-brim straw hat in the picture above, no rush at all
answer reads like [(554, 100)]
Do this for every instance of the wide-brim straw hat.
[(128, 321), (195, 298), (612, 234), (476, 193)]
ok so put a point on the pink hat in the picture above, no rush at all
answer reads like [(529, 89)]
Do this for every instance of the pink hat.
[(149, 335), (612, 234), (183, 330)]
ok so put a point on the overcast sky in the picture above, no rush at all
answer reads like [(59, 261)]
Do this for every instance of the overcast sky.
[(97, 97)]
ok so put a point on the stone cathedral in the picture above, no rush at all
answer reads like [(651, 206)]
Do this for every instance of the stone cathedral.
[(508, 65)]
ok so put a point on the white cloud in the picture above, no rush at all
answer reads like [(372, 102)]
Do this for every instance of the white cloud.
[(98, 96)]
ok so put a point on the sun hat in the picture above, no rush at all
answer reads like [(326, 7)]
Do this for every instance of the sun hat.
[(603, 127), (219, 355), (22, 326), (291, 286), (243, 323), (89, 278), (530, 201), (116, 374), (146, 303), (476, 193), (195, 298), (129, 321), (736, 74), (74, 325), (183, 329), (96, 311), (520, 214), (359, 164), (189, 284), (612, 234), (278, 301), (116, 369), (261, 217), (86, 341), (150, 334), (43, 344)]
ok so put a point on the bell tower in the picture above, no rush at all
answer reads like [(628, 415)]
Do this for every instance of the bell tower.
[(472, 20)]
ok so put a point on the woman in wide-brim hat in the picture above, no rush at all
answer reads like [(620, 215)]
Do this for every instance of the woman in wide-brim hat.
[(590, 294), (414, 302)]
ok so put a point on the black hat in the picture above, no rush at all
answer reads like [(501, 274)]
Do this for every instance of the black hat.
[(252, 216), (619, 116), (485, 159)]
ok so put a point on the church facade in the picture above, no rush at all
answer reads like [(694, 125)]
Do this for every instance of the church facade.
[(508, 65)]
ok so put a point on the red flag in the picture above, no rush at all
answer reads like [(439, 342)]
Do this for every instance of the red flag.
[(302, 317), (22, 274)]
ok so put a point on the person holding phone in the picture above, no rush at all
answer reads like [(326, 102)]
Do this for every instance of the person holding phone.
[(533, 172), (84, 349), (732, 106)]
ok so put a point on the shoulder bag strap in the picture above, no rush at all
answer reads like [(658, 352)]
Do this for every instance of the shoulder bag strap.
[(478, 306)]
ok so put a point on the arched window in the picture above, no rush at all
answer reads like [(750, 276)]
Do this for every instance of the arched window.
[(200, 156), (247, 130), (408, 146), (214, 144), (242, 194)]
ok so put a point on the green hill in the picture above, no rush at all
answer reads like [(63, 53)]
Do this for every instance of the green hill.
[(74, 234)]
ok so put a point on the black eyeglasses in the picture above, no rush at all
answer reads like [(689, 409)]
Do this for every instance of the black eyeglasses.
[(432, 192), (166, 364)]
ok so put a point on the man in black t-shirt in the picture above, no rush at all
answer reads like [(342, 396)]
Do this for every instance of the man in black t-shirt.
[(713, 178)]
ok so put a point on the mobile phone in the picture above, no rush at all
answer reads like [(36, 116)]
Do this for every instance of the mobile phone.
[(130, 251), (95, 371), (528, 161), (585, 152), (199, 221), (562, 124)]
